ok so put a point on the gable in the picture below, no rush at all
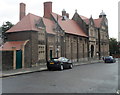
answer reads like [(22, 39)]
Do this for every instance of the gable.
[(91, 22), (69, 26), (80, 22), (40, 23)]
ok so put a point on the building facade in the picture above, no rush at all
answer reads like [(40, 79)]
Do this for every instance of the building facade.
[(54, 35)]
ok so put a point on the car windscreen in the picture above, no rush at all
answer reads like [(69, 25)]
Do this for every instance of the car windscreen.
[(55, 60), (107, 57), (62, 59)]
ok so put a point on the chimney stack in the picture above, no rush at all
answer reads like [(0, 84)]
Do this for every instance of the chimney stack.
[(67, 14), (63, 12), (47, 9), (22, 10)]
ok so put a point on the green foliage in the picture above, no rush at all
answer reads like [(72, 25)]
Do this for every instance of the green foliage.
[(114, 46), (6, 26)]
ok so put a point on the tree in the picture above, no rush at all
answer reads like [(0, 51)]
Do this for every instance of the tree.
[(113, 46), (6, 26), (1, 36), (118, 48)]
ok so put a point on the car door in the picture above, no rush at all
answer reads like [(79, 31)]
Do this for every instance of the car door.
[(66, 63)]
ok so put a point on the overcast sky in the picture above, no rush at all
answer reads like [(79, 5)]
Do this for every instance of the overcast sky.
[(9, 10)]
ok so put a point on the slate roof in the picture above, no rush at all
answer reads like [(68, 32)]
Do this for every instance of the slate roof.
[(86, 20), (98, 22), (49, 25), (70, 26), (8, 46), (28, 23)]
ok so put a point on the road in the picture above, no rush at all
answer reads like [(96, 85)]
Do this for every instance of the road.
[(91, 78)]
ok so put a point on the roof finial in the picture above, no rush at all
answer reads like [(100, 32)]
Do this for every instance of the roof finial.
[(102, 14), (63, 10), (91, 16), (75, 10)]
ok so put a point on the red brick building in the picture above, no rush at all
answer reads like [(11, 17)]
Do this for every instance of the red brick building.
[(36, 39)]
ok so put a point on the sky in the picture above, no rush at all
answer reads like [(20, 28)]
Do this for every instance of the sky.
[(9, 10)]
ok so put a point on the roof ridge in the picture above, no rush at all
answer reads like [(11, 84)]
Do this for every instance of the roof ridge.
[(83, 17), (56, 14), (97, 18), (33, 14)]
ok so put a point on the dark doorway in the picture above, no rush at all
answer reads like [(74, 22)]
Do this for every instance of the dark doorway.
[(50, 54), (18, 59), (92, 51)]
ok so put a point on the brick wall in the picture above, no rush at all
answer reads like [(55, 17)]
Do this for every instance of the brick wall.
[(19, 36), (104, 43), (51, 45), (27, 55), (34, 44), (31, 52), (7, 61), (76, 48)]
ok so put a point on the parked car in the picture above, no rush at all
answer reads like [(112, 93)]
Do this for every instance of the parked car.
[(59, 63), (109, 59)]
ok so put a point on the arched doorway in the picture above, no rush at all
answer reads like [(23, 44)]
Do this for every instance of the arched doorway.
[(92, 51)]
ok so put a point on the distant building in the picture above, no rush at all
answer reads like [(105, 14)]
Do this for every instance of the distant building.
[(36, 39)]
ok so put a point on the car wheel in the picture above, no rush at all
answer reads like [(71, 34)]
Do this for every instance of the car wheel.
[(61, 67), (71, 66)]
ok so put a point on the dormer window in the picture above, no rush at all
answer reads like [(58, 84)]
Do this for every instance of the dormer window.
[(64, 17)]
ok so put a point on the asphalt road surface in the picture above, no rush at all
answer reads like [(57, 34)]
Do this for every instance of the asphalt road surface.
[(91, 78)]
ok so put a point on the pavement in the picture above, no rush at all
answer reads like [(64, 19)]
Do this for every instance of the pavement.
[(38, 69)]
